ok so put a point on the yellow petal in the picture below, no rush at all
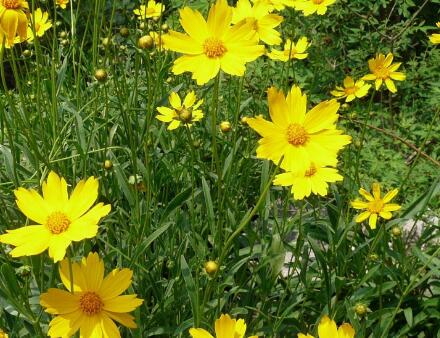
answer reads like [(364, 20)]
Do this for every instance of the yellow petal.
[(93, 270), (28, 240), (175, 101), (82, 198), (108, 327), (123, 318), (322, 116), (297, 105), (359, 204), (372, 221), (190, 99), (366, 194), (390, 85), (224, 327), (32, 205), (79, 281), (231, 65), (194, 24), (199, 333), (278, 109), (87, 225), (385, 214), (57, 246), (126, 303), (57, 301), (219, 18), (362, 216), (391, 207), (65, 325), (182, 43), (376, 190), (390, 195), (327, 328), (115, 283), (55, 191), (346, 331)]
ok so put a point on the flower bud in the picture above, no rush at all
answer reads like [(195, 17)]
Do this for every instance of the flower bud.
[(101, 75), (108, 164), (145, 42), (396, 231), (211, 267), (225, 126), (124, 32), (360, 309)]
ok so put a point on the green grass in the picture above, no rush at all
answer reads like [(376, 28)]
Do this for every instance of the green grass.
[(176, 204)]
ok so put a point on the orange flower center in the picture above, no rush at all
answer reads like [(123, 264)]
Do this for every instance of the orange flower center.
[(214, 48), (57, 222), (90, 303), (382, 72), (296, 134), (375, 206), (351, 90), (12, 4), (317, 2), (311, 171)]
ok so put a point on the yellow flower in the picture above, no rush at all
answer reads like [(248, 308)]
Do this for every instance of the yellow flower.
[(375, 205), (327, 329), (186, 112), (301, 137), (3, 334), (94, 303), (42, 24), (62, 3), (309, 7), (314, 180), (152, 10), (435, 38), (13, 20), (291, 50), (263, 22), (351, 89), (225, 327), (382, 69), (60, 219), (213, 44)]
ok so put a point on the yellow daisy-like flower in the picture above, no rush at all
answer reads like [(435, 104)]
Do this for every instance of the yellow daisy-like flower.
[(375, 205), (152, 10), (277, 4), (13, 20), (327, 328), (259, 16), (309, 7), (435, 38), (62, 3), (291, 50), (3, 334), (315, 180), (60, 219), (351, 89), (300, 137), (186, 112), (95, 302), (42, 24), (382, 69), (213, 44), (225, 327)]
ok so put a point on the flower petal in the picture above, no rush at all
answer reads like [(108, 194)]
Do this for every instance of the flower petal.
[(58, 301), (115, 283), (362, 216), (32, 205), (82, 198), (372, 221), (125, 303)]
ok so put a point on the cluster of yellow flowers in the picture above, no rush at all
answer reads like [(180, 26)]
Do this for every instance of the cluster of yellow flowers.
[(92, 302)]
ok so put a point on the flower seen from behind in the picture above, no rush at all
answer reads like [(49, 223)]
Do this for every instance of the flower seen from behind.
[(211, 45), (291, 50), (95, 302), (186, 112), (435, 38), (62, 3), (327, 328), (13, 20), (314, 181), (301, 138), (39, 20), (225, 327), (309, 7), (58, 218), (384, 70), (375, 206), (351, 89), (151, 10), (263, 22)]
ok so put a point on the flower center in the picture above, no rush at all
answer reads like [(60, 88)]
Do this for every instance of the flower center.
[(375, 206), (185, 115), (57, 222), (351, 90), (317, 2), (90, 303), (12, 4), (382, 72), (296, 134), (311, 171), (213, 48)]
